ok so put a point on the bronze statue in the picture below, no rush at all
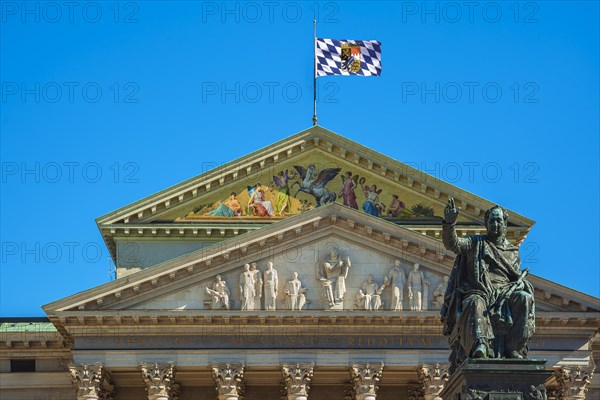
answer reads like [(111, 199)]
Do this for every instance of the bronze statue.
[(488, 309)]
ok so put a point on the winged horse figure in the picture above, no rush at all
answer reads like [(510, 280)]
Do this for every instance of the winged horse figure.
[(314, 184)]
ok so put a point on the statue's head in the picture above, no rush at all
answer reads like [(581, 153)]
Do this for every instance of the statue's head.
[(294, 275), (246, 267), (446, 277), (270, 265), (496, 221), (252, 266), (218, 278), (397, 263), (370, 278), (416, 267)]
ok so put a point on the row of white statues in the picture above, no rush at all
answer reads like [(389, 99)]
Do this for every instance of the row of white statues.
[(260, 290), (252, 286)]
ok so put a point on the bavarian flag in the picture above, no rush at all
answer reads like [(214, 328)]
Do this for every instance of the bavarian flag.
[(348, 57)]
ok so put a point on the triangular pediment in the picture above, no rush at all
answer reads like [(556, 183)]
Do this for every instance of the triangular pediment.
[(298, 244), (324, 149), (411, 197)]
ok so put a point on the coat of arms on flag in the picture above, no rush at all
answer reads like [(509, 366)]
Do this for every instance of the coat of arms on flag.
[(348, 57)]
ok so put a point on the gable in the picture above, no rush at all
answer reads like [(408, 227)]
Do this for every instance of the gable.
[(183, 210), (304, 259), (296, 244), (315, 145)]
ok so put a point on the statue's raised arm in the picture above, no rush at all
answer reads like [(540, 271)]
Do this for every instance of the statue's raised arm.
[(451, 212), (451, 240)]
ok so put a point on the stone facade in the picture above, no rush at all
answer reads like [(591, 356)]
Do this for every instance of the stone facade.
[(344, 318)]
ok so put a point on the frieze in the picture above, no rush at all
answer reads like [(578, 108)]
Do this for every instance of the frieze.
[(264, 341), (257, 338)]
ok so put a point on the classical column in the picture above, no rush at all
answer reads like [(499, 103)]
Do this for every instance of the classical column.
[(159, 380), (91, 382), (572, 383), (432, 380), (176, 391), (296, 380), (229, 381), (415, 393), (365, 379)]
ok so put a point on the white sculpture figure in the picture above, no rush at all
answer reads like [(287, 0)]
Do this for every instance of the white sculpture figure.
[(219, 294), (258, 283), (396, 279), (333, 273), (416, 285), (296, 293), (271, 284), (247, 288), (438, 293), (369, 297)]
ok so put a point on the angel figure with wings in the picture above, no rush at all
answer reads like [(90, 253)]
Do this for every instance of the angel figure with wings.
[(314, 184), (349, 182), (372, 205)]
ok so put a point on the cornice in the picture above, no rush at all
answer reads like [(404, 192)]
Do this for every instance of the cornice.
[(178, 322)]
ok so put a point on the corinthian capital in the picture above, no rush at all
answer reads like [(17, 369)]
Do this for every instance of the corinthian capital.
[(159, 380), (91, 382), (365, 379), (573, 383), (433, 379), (229, 381), (296, 380)]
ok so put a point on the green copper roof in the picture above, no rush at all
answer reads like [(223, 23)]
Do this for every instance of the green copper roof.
[(27, 327)]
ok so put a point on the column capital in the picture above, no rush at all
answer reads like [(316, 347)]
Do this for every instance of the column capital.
[(91, 382), (365, 379), (229, 380), (573, 382), (432, 379), (159, 379), (296, 380)]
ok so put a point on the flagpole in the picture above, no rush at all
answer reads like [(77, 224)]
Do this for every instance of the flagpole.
[(315, 75)]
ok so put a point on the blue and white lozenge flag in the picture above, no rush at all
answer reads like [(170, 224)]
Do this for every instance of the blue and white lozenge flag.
[(348, 57)]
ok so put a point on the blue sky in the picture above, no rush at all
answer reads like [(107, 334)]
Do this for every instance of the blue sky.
[(105, 103)]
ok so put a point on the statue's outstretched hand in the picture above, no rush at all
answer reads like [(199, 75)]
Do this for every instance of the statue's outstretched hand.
[(451, 212)]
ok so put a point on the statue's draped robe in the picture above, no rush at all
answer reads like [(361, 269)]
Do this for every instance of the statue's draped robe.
[(477, 307)]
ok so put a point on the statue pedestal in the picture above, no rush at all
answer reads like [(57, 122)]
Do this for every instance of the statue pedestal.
[(498, 379)]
